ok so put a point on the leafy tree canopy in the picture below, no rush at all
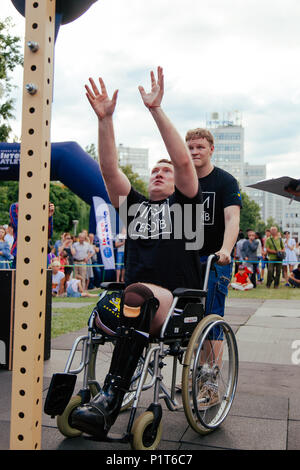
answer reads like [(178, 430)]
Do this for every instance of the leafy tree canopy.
[(250, 214), (10, 58)]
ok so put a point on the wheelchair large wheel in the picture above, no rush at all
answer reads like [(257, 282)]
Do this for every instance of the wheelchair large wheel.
[(62, 420), (209, 375), (143, 436)]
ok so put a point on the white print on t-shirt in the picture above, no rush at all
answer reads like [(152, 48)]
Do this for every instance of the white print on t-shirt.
[(209, 202), (154, 220), (151, 220)]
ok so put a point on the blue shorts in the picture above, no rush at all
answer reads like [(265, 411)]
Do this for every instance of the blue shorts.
[(218, 282), (264, 263), (72, 293), (120, 260)]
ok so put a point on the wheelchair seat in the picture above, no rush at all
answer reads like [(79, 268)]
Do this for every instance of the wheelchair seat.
[(111, 285)]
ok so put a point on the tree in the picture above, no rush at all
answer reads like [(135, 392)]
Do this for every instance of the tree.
[(250, 213), (91, 150), (8, 195), (68, 207), (133, 177), (272, 223), (10, 57)]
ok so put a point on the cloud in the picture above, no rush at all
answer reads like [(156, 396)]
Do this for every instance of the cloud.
[(222, 55)]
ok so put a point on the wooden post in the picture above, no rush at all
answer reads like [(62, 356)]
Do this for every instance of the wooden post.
[(30, 296)]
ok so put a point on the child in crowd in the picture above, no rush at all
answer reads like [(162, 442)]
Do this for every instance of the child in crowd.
[(242, 281), (57, 278), (74, 288)]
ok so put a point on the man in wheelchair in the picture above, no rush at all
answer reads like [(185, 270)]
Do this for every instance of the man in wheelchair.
[(159, 254)]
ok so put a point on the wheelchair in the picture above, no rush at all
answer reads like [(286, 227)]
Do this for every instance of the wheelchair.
[(204, 346)]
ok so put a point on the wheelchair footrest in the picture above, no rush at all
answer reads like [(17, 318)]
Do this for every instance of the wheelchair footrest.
[(59, 394)]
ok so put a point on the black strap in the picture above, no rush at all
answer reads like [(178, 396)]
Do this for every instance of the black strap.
[(281, 243)]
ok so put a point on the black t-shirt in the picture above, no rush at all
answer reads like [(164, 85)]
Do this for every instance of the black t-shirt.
[(220, 189), (156, 250)]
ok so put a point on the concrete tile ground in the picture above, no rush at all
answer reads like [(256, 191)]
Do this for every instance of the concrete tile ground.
[(266, 411)]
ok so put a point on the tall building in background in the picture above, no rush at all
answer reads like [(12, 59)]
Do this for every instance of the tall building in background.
[(285, 212), (229, 143), (229, 154), (138, 158), (253, 174), (291, 218), (229, 136)]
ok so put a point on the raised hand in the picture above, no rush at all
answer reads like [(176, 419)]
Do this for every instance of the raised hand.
[(154, 98), (100, 102)]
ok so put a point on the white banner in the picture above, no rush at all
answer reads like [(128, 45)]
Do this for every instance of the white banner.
[(104, 233)]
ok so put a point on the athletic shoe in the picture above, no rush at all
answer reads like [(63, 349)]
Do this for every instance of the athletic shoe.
[(208, 397)]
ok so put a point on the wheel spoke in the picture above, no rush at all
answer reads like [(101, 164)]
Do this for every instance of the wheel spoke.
[(212, 360)]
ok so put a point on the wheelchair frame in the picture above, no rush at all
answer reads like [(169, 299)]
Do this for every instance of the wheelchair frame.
[(145, 432)]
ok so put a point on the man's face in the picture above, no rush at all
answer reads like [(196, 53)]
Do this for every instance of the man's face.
[(161, 183), (81, 238), (201, 151), (274, 231), (251, 235)]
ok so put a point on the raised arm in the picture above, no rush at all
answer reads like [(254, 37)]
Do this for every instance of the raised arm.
[(116, 181), (186, 179)]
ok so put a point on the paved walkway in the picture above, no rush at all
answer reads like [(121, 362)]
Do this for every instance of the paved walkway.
[(266, 411)]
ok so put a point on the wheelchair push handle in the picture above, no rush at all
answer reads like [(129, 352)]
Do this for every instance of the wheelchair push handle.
[(211, 260)]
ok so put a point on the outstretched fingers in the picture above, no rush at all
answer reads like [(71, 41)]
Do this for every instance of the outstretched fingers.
[(142, 91), (94, 87), (102, 86), (115, 96), (160, 78), (95, 92), (153, 81)]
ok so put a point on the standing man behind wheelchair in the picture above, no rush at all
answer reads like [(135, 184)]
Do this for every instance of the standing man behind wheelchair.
[(157, 261), (221, 213)]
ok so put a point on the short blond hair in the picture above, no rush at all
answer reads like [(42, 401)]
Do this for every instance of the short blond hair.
[(199, 133), (165, 160)]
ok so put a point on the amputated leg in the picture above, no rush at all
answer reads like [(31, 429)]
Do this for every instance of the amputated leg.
[(137, 312)]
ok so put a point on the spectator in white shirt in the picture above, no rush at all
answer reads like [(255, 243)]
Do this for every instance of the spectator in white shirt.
[(82, 253), (58, 278)]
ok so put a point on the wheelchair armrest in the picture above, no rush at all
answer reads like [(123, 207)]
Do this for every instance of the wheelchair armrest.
[(112, 285), (184, 292)]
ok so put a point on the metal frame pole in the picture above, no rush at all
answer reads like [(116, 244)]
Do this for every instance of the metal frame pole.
[(30, 296)]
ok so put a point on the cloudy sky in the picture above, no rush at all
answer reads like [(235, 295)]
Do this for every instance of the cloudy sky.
[(221, 55)]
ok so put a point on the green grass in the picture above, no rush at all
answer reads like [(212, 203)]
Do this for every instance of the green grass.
[(261, 292), (66, 320)]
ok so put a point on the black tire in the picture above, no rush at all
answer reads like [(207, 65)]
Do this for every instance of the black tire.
[(62, 420), (142, 438), (209, 363)]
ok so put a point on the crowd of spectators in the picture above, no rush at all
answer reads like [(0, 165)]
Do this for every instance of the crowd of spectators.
[(277, 254), (76, 260)]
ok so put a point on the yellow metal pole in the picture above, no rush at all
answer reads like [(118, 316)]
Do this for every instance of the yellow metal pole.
[(30, 296)]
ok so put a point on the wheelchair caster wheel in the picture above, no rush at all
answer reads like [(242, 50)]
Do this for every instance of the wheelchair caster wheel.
[(143, 437), (62, 420)]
